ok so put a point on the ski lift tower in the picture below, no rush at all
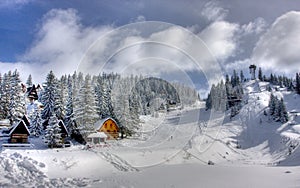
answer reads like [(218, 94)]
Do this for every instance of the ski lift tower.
[(252, 71)]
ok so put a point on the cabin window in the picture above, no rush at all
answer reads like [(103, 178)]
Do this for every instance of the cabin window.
[(96, 140), (110, 125), (105, 126)]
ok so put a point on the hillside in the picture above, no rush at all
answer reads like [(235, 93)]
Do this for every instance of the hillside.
[(175, 148)]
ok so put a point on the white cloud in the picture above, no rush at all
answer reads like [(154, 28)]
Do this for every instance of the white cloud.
[(221, 38), (278, 49), (63, 45), (61, 42), (213, 12), (13, 3), (257, 26)]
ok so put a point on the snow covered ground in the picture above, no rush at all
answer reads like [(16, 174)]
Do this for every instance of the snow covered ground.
[(173, 150)]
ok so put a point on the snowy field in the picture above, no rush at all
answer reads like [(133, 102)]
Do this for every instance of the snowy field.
[(173, 150)]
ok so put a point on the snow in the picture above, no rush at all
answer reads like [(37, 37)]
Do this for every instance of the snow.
[(4, 122), (173, 150), (97, 135)]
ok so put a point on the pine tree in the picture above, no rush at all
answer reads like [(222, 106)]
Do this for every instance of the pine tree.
[(69, 107), (17, 99), (106, 101), (278, 110), (99, 87), (49, 96), (36, 124), (260, 74), (271, 78), (242, 76), (134, 110), (5, 98), (85, 109), (297, 83), (208, 102), (2, 113), (61, 98), (29, 81), (272, 104), (283, 113), (53, 135)]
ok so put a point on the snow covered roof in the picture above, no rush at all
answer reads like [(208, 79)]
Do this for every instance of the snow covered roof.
[(98, 135), (32, 92), (4, 122), (99, 123), (26, 120), (22, 124)]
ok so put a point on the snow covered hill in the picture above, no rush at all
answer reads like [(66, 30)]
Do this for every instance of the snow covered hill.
[(174, 149)]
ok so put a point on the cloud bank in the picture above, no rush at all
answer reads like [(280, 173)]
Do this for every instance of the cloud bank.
[(63, 44), (278, 49)]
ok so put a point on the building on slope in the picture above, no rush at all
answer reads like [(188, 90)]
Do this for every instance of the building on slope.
[(252, 69), (97, 138), (109, 126), (19, 133)]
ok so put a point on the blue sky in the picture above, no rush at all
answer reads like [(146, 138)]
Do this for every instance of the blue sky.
[(56, 34)]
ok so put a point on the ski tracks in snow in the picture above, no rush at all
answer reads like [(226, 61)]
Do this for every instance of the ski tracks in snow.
[(116, 161)]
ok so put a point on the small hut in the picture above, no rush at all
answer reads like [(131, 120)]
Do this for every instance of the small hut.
[(96, 138), (19, 133), (252, 69), (32, 92), (109, 126)]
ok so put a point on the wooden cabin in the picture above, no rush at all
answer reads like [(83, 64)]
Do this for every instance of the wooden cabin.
[(32, 93), (109, 126), (19, 133)]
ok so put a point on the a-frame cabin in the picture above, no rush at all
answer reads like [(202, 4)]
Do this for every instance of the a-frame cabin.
[(19, 133)]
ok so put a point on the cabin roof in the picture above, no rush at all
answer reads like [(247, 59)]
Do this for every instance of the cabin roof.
[(26, 120), (20, 128), (100, 122), (31, 92), (98, 135)]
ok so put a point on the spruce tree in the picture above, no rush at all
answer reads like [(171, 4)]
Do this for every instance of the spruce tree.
[(85, 109), (69, 117), (2, 102), (36, 124), (260, 74), (242, 76), (297, 83), (272, 104), (17, 99), (283, 113), (53, 135), (134, 111), (49, 96), (29, 81), (5, 98)]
